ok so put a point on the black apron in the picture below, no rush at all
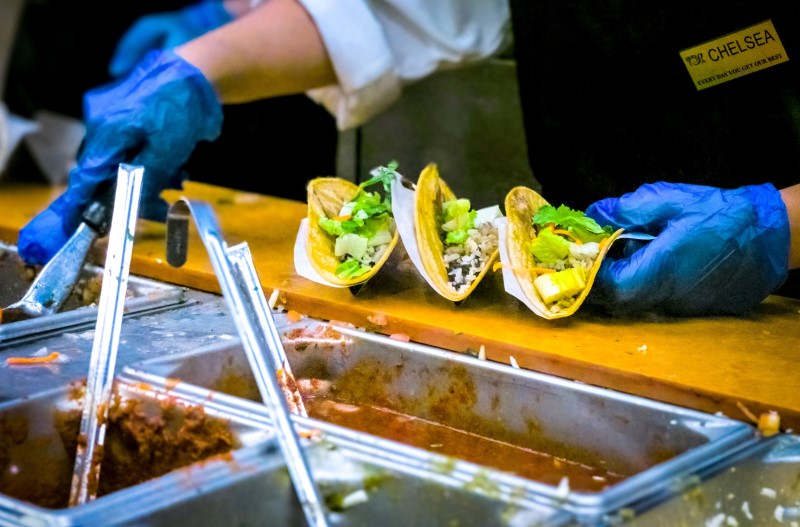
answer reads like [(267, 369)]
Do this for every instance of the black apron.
[(609, 104)]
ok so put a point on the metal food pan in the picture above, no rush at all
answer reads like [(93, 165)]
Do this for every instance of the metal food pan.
[(248, 486), (759, 485), (81, 307), (537, 429), (160, 447)]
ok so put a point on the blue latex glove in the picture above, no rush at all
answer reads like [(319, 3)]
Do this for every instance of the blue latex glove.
[(166, 31), (154, 118), (716, 251)]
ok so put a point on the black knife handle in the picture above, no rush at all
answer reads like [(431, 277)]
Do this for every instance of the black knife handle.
[(98, 214)]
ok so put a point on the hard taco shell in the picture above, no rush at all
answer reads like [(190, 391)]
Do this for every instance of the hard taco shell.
[(521, 205), (326, 196), (430, 193)]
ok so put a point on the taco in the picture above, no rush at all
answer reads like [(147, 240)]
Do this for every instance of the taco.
[(554, 252), (351, 230), (457, 244)]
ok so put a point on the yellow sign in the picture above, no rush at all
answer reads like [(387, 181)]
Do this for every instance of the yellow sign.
[(734, 55)]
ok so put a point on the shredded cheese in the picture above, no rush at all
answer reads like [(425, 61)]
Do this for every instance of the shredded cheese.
[(779, 513), (379, 319), (355, 498), (33, 360), (537, 270), (746, 411), (563, 488), (293, 316), (769, 423), (746, 510), (273, 298), (567, 233)]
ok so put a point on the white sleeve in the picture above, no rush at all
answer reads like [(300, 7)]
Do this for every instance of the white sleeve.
[(377, 46)]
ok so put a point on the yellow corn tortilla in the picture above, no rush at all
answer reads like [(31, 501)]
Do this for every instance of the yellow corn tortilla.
[(430, 193), (521, 205), (326, 196)]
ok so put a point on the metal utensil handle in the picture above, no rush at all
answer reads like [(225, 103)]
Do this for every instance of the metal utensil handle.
[(256, 345), (100, 379), (99, 212), (243, 264)]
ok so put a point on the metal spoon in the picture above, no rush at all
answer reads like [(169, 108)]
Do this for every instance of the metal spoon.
[(57, 279)]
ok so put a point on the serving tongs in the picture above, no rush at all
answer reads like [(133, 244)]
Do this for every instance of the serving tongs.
[(58, 277), (100, 378), (248, 307)]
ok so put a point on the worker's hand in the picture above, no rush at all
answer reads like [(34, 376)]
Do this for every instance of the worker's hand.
[(716, 251), (166, 31), (154, 118)]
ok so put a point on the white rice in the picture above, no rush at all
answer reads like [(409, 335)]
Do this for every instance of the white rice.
[(579, 256), (374, 253), (465, 262)]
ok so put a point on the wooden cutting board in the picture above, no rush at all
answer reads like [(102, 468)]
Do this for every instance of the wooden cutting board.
[(717, 364)]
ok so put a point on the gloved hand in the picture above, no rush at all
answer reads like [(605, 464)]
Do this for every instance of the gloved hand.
[(716, 251), (166, 31), (154, 118)]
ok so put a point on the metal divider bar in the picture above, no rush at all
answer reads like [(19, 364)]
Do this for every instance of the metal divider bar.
[(248, 309), (100, 378)]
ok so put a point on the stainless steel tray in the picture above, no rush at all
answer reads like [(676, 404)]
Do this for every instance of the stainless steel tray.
[(637, 445), (759, 485), (79, 309), (40, 433), (248, 487)]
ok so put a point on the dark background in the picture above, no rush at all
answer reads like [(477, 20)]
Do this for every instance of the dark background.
[(275, 146), (62, 49)]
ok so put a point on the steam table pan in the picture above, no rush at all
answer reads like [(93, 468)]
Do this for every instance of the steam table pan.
[(80, 308), (587, 450), (759, 485), (226, 469)]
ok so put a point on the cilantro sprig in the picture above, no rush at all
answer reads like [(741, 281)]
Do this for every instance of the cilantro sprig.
[(384, 175)]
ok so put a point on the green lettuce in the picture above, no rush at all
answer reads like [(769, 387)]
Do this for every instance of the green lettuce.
[(350, 268), (457, 219), (575, 222), (549, 248)]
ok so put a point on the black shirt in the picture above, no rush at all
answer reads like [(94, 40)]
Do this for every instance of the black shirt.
[(609, 104)]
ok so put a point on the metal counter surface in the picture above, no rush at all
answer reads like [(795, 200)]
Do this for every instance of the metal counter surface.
[(201, 320)]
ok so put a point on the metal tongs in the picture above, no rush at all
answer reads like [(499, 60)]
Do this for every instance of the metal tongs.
[(262, 344), (100, 379)]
